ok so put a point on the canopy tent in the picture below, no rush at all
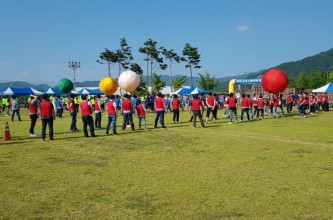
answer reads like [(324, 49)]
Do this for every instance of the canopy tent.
[(53, 91), (90, 92), (183, 91), (198, 90), (326, 88), (20, 91)]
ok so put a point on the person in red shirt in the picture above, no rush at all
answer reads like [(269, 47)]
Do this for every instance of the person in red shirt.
[(73, 112), (276, 109), (312, 103), (87, 119), (159, 108), (33, 110), (141, 113), (289, 102), (196, 109), (325, 102), (98, 112), (255, 104), (47, 116), (261, 107), (245, 108), (232, 106), (112, 115), (175, 109), (127, 111), (304, 104), (211, 104)]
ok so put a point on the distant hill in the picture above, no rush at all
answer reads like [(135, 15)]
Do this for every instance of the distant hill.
[(322, 62)]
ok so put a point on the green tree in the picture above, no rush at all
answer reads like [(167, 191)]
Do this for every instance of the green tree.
[(158, 84), (142, 88), (109, 57), (178, 82), (314, 79), (124, 56), (171, 56), (303, 81), (330, 77), (154, 61), (207, 82), (192, 58), (292, 83)]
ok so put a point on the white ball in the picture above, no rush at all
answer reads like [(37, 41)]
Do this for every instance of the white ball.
[(129, 81)]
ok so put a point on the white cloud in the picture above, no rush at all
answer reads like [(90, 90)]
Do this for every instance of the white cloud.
[(243, 28)]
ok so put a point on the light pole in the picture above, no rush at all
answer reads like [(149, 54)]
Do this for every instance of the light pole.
[(74, 65)]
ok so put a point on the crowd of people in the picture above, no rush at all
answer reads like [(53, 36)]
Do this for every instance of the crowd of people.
[(201, 106)]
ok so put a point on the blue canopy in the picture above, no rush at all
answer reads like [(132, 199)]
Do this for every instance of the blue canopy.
[(53, 91), (90, 92), (198, 90), (184, 91), (20, 91), (326, 88)]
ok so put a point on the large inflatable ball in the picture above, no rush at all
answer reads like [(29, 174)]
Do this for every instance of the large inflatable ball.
[(274, 81), (108, 85), (129, 81), (65, 85)]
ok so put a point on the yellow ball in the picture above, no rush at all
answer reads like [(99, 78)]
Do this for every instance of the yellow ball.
[(108, 85)]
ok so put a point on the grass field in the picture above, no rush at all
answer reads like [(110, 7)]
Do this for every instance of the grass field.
[(270, 169)]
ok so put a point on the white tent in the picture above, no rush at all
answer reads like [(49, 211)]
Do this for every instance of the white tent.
[(326, 88)]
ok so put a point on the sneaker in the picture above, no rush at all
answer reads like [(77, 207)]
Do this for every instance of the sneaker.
[(230, 123), (106, 132)]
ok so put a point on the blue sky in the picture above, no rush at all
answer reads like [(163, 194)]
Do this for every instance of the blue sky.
[(39, 37)]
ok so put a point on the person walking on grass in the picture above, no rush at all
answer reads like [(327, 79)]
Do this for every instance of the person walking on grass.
[(232, 106), (73, 112), (87, 119), (175, 109), (112, 115), (159, 108), (59, 107), (126, 111), (245, 108), (141, 113), (47, 116), (15, 108), (196, 108), (211, 104), (98, 112), (261, 107), (33, 111)]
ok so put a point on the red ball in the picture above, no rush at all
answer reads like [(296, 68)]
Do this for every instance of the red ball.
[(274, 81)]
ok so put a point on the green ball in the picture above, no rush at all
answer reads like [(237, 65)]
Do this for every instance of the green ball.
[(65, 85)]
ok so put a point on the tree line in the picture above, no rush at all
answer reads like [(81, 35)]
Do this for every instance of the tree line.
[(311, 80), (157, 58)]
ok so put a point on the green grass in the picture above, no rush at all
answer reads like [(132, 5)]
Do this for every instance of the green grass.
[(271, 169)]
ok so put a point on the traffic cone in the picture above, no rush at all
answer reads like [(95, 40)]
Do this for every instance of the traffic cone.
[(7, 136)]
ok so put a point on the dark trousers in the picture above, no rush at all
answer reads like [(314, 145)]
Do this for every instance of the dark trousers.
[(59, 112), (98, 119), (33, 118), (176, 115), (198, 114), (73, 124), (159, 115), (17, 113), (325, 106), (88, 120), (246, 110), (260, 111), (255, 110), (289, 107), (47, 121), (127, 118)]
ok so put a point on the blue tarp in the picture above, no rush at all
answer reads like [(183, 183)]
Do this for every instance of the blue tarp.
[(184, 91), (53, 91), (20, 91), (198, 90), (326, 88), (90, 92)]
